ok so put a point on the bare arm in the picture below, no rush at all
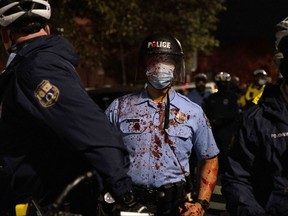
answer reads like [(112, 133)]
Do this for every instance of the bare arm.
[(208, 178)]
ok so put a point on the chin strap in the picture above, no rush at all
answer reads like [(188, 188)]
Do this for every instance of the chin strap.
[(167, 111), (187, 175)]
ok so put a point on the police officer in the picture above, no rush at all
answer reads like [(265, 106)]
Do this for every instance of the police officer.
[(222, 111), (50, 130), (200, 92), (256, 181), (160, 128), (255, 89)]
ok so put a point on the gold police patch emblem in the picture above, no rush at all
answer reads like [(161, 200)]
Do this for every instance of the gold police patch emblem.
[(181, 117), (46, 93)]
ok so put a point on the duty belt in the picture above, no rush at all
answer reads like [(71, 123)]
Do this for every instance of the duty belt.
[(167, 193)]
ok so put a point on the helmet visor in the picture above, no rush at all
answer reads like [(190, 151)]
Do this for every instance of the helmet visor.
[(173, 63)]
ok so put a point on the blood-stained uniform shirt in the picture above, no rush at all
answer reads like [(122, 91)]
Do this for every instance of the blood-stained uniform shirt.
[(159, 156)]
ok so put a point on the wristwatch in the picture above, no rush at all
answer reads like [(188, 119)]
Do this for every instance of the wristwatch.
[(203, 203)]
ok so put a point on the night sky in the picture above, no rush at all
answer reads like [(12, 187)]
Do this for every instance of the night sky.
[(250, 19)]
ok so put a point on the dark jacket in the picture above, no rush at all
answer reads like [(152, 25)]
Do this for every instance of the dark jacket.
[(222, 111), (256, 180), (50, 129)]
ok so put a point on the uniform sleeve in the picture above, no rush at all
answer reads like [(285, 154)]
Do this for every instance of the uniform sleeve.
[(204, 143), (237, 180), (53, 93)]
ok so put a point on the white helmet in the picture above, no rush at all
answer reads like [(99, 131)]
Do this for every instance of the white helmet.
[(260, 72), (222, 77), (281, 31), (11, 10)]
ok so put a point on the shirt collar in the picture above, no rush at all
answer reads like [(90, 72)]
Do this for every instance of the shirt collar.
[(145, 98)]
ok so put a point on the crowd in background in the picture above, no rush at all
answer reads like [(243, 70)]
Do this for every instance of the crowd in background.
[(224, 106)]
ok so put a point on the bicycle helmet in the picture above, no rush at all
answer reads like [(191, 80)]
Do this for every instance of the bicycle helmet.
[(164, 48), (12, 11), (260, 72), (223, 77), (282, 57), (281, 31)]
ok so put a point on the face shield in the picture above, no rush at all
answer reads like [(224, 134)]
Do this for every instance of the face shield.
[(160, 72), (163, 66)]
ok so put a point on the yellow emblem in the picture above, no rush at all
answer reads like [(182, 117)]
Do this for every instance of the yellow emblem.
[(47, 93)]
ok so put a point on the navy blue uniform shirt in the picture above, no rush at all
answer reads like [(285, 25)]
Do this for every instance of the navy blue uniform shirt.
[(50, 129), (256, 180)]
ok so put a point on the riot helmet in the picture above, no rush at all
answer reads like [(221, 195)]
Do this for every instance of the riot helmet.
[(161, 52), (13, 13), (200, 77)]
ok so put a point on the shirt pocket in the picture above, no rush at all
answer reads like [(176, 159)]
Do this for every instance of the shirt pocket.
[(183, 131), (179, 137), (132, 126)]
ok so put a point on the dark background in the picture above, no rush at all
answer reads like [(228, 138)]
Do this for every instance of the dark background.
[(246, 32), (250, 19)]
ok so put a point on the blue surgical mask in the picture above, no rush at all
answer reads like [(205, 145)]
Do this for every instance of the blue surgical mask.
[(160, 75)]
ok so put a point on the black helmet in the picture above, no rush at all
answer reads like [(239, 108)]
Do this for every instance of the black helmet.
[(11, 11), (165, 48), (200, 77)]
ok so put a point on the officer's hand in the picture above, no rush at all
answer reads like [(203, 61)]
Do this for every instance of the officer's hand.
[(192, 209)]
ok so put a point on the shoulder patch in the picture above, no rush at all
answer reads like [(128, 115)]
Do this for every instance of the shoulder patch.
[(47, 93)]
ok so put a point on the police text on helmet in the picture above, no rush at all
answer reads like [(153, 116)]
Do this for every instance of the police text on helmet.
[(159, 44)]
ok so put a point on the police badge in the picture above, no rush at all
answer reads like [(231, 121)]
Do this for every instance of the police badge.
[(47, 93), (180, 117)]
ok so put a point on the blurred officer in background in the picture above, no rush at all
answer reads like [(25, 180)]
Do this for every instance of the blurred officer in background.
[(222, 111), (160, 128), (200, 91), (254, 89), (50, 130), (256, 181), (236, 87)]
